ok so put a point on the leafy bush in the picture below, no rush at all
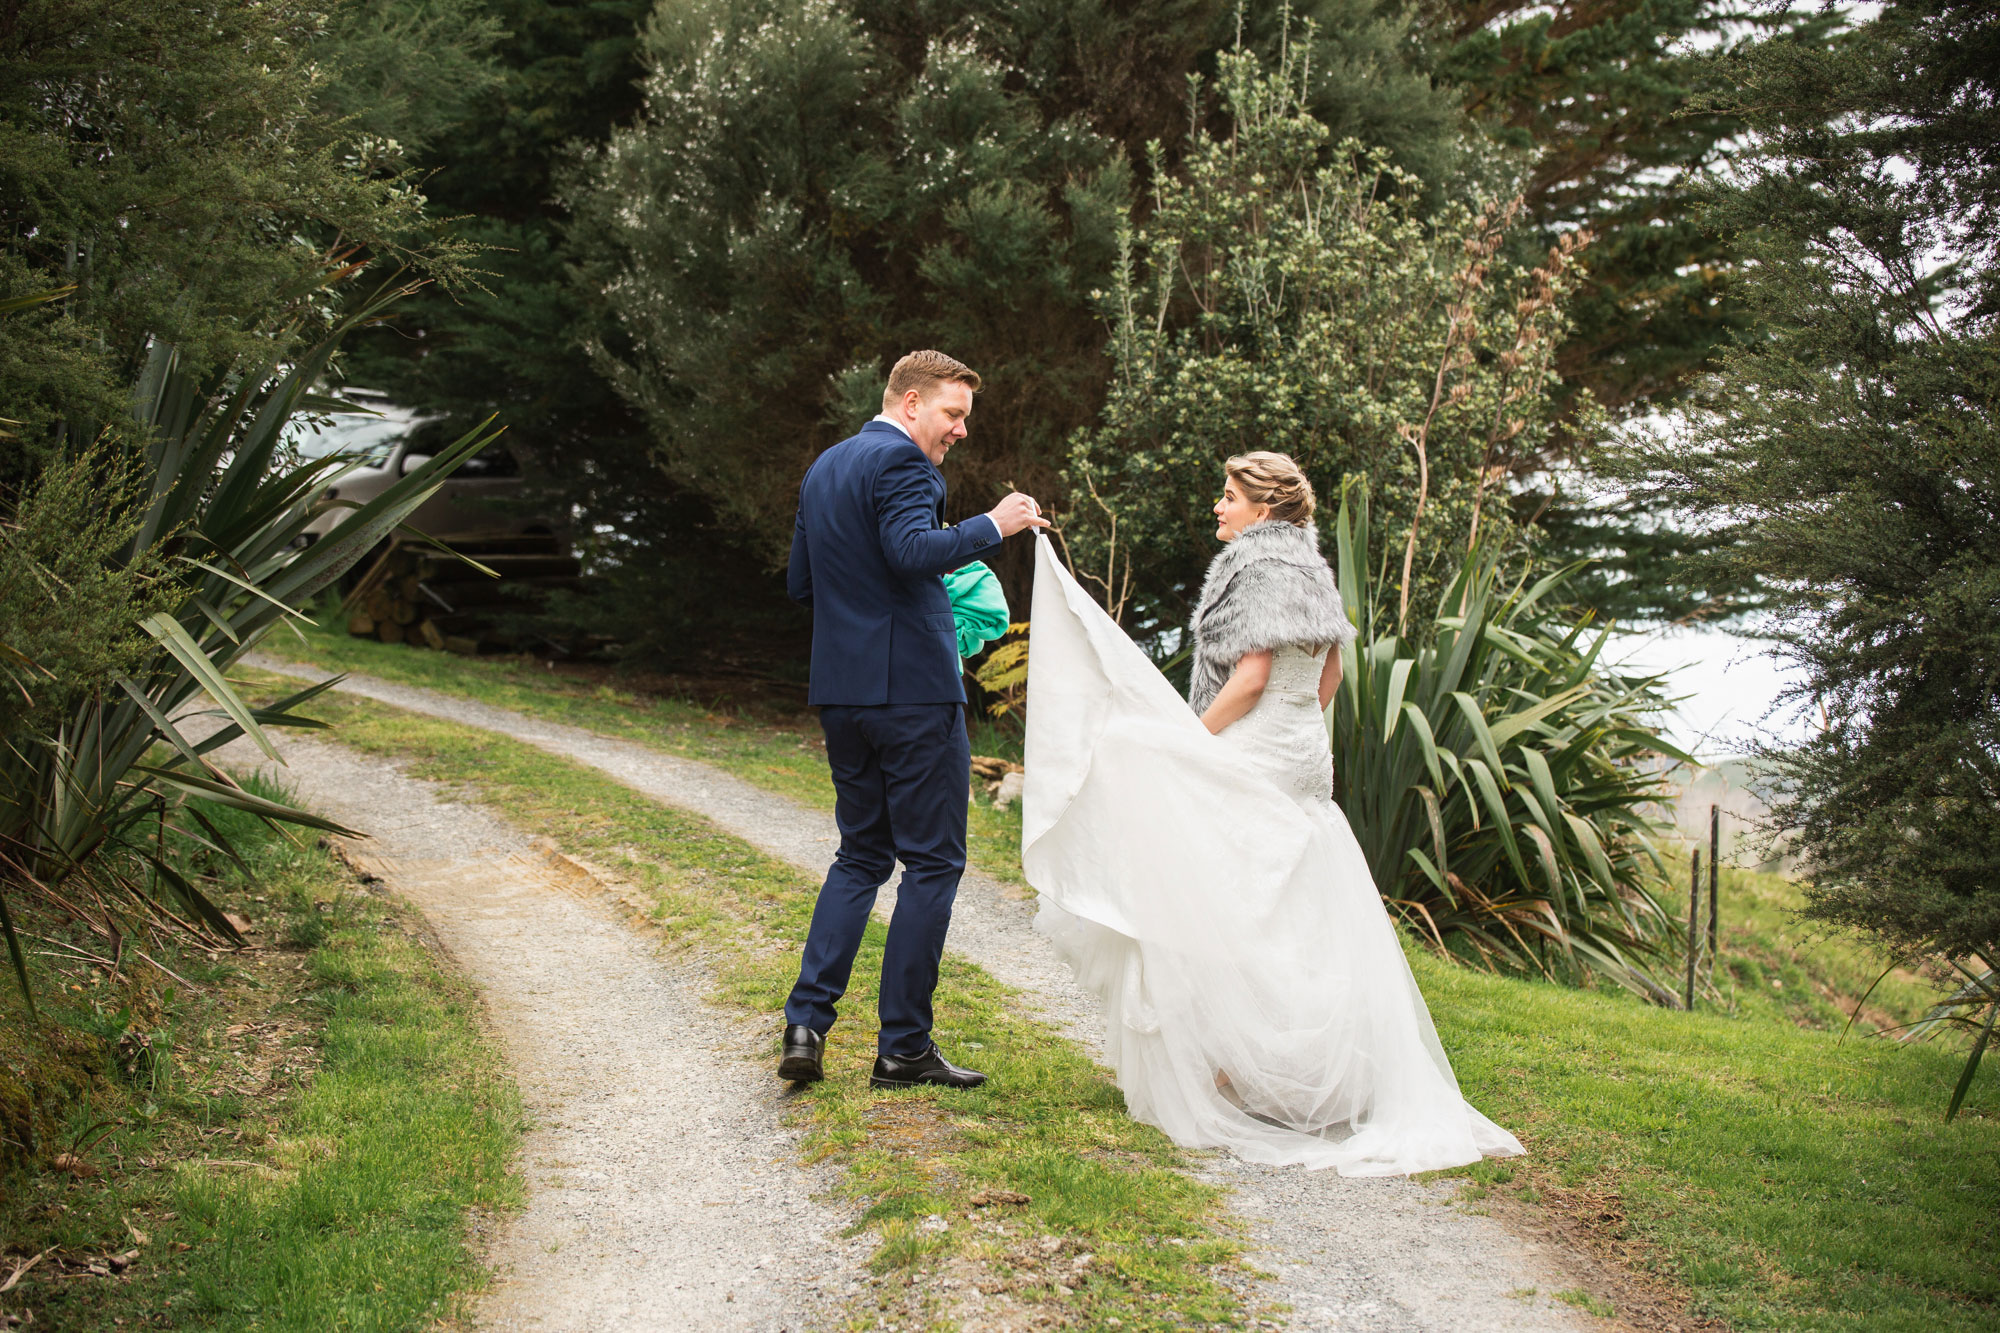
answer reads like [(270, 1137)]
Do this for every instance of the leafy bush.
[(207, 515), (189, 170), (1276, 301), (63, 545), (809, 194), (1497, 776)]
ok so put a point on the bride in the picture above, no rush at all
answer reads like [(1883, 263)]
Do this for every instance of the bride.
[(1197, 876)]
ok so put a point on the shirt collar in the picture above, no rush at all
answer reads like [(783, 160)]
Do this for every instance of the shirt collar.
[(885, 417)]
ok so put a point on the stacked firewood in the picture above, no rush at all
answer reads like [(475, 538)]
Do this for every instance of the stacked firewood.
[(416, 594)]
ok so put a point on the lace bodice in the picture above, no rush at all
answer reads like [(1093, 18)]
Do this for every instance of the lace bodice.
[(1285, 732)]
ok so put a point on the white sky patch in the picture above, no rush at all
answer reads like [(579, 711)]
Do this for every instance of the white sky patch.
[(1727, 684)]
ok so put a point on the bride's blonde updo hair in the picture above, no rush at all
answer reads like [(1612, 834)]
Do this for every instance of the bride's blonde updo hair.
[(1272, 479)]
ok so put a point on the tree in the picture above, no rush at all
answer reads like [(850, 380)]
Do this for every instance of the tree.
[(563, 73), (1852, 453), (1600, 99), (405, 72), (1605, 104), (667, 582), (877, 178), (813, 208), (1275, 302), (171, 165)]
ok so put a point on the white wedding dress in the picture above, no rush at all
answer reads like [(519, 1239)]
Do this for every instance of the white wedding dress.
[(1211, 895)]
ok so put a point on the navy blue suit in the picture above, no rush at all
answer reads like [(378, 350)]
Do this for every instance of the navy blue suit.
[(868, 551)]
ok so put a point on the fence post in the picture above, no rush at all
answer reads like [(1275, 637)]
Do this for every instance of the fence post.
[(1694, 925), (1714, 860)]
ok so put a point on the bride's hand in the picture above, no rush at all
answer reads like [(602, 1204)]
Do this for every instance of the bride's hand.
[(1239, 694)]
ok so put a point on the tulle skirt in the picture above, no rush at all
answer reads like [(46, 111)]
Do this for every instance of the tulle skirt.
[(1255, 994)]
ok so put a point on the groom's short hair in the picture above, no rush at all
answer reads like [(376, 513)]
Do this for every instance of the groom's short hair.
[(924, 371)]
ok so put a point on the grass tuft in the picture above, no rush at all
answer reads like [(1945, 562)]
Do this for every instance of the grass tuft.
[(294, 1145)]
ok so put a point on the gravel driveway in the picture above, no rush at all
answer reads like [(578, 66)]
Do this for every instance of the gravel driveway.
[(1341, 1254), (665, 1190)]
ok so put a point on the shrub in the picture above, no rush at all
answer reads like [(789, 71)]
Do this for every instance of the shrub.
[(1497, 777), (1277, 299), (99, 753)]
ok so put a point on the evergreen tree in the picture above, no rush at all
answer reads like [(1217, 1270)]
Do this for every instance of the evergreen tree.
[(1599, 98), (564, 73), (1852, 451), (798, 206), (1393, 78), (667, 581), (664, 563), (173, 165), (1607, 104), (826, 187), (1274, 299)]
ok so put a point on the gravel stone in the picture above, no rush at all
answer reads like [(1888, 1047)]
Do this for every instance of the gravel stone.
[(664, 1184), (1392, 1255)]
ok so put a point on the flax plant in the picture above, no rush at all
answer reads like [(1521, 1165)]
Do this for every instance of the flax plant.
[(90, 799), (1498, 776)]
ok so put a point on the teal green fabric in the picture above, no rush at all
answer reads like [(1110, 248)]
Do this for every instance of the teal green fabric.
[(978, 604)]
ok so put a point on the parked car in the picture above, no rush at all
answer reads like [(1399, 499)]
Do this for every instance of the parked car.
[(390, 441)]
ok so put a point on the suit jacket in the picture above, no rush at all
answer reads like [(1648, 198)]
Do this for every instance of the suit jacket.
[(868, 548)]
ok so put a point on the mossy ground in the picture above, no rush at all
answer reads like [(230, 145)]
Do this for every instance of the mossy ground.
[(296, 1135)]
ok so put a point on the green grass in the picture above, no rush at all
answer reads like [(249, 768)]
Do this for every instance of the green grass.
[(1787, 1180), (301, 1148), (1782, 1177), (1050, 1125), (777, 750), (1777, 965)]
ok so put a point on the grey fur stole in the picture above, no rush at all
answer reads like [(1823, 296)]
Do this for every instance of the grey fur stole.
[(1268, 589)]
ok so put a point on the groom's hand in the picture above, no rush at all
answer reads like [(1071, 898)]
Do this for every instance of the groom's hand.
[(1016, 513)]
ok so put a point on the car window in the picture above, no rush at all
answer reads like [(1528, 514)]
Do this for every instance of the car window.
[(492, 462), (371, 438)]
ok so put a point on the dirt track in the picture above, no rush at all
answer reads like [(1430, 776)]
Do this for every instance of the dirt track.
[(1342, 1254), (665, 1189)]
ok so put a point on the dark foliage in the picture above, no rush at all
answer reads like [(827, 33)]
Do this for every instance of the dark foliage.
[(1853, 450), (889, 177), (170, 163)]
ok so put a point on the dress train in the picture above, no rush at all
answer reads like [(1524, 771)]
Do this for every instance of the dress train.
[(1213, 898)]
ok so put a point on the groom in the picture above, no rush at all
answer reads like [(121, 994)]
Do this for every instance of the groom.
[(868, 550)]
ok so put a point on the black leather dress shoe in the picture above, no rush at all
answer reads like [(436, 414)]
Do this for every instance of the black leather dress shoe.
[(803, 1048), (930, 1067)]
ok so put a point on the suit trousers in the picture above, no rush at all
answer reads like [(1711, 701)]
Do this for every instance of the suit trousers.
[(899, 776)]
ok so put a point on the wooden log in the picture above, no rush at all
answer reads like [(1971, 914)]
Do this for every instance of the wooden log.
[(410, 588), (464, 647), (369, 581), (404, 613), (388, 631), (457, 624), (361, 625), (377, 603), (430, 635)]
